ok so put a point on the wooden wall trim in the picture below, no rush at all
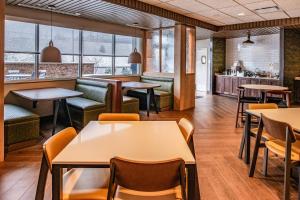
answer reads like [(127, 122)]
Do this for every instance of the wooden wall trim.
[(2, 16), (155, 10), (42, 17), (262, 24)]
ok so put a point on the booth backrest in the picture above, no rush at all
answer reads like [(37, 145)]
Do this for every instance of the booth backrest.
[(95, 90), (166, 84)]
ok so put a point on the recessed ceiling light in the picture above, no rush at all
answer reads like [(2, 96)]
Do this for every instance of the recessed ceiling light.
[(241, 14), (267, 10), (77, 14)]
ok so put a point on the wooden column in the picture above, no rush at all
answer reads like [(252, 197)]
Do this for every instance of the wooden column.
[(184, 73), (2, 17)]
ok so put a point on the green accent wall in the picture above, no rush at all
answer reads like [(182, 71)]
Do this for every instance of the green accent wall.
[(218, 54)]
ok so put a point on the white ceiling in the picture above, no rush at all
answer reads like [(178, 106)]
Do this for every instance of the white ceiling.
[(225, 12)]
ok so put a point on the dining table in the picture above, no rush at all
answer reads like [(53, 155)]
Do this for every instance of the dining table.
[(149, 87), (147, 141), (287, 115), (57, 95)]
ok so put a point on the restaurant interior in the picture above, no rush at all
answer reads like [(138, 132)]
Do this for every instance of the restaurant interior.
[(149, 99)]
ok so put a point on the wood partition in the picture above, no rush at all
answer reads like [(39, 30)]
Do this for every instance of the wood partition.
[(2, 7)]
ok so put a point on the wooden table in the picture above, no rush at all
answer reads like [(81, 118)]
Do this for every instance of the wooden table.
[(150, 92), (264, 88), (147, 141), (287, 115), (57, 95)]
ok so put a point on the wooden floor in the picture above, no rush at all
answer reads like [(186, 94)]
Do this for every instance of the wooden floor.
[(221, 174)]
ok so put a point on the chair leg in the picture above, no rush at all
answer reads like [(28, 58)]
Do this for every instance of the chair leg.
[(298, 168), (242, 146), (237, 115), (255, 151), (287, 168), (265, 164)]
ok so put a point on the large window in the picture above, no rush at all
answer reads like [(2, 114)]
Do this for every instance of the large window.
[(96, 53)]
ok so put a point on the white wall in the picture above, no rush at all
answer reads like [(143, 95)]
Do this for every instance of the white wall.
[(202, 70), (264, 54)]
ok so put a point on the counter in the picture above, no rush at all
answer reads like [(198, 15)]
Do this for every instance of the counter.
[(227, 84)]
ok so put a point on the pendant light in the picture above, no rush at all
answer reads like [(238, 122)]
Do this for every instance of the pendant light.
[(248, 42), (51, 54), (135, 57)]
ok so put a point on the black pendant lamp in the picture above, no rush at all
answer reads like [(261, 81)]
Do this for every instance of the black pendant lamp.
[(135, 57), (248, 42), (51, 54)]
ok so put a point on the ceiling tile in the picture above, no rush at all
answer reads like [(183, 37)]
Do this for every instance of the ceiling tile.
[(251, 18), (172, 8), (248, 1), (274, 15), (288, 4), (234, 11), (198, 16), (218, 4), (258, 5), (190, 5), (294, 13), (153, 2)]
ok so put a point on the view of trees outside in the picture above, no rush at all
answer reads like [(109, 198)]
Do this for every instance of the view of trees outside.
[(100, 55)]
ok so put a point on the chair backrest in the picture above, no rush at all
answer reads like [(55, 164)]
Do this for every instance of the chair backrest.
[(119, 117), (187, 129), (254, 106), (148, 177), (56, 143), (277, 129)]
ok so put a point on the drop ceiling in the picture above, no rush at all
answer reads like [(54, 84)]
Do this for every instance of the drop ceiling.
[(226, 12)]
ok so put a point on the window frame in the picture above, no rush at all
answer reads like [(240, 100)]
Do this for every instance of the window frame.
[(37, 53)]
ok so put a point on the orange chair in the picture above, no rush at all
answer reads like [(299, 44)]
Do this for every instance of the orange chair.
[(187, 129), (145, 181), (119, 117), (77, 183)]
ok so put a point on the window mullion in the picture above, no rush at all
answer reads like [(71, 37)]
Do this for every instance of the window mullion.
[(37, 46), (114, 55), (80, 65)]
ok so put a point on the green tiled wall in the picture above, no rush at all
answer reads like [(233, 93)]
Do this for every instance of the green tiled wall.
[(219, 54)]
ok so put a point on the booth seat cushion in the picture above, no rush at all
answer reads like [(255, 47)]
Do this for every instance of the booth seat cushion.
[(14, 114), (130, 105), (166, 84), (84, 104)]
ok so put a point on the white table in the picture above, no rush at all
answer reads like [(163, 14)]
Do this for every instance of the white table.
[(145, 141)]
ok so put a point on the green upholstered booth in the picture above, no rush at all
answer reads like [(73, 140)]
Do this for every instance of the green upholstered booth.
[(130, 105), (164, 94), (19, 125), (96, 99)]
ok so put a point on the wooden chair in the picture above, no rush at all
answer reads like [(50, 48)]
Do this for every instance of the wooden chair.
[(187, 129), (77, 183), (147, 181), (282, 98), (119, 117), (284, 144), (265, 135), (242, 100)]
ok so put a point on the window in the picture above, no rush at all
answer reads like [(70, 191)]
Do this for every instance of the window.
[(97, 53), (67, 41), (20, 50)]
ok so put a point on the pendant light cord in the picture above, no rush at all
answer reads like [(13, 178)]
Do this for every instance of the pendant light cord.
[(51, 23)]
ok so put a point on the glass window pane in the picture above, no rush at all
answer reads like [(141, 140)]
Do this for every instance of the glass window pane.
[(123, 68), (124, 45), (18, 66), (168, 50), (95, 43), (96, 65), (67, 69), (65, 39), (154, 51), (19, 36)]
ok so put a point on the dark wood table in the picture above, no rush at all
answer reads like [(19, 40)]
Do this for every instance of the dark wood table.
[(57, 95), (150, 92)]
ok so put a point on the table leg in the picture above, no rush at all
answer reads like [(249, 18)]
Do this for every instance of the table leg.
[(262, 97), (148, 101), (153, 100), (34, 104), (247, 138), (56, 182), (56, 108), (67, 111), (193, 183)]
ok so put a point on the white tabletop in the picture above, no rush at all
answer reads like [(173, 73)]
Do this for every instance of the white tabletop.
[(264, 87), (139, 85), (287, 115), (47, 93), (98, 142)]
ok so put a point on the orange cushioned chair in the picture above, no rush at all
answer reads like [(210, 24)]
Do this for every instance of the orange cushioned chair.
[(132, 180), (119, 117), (77, 183)]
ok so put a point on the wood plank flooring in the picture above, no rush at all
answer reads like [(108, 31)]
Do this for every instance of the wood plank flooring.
[(222, 175)]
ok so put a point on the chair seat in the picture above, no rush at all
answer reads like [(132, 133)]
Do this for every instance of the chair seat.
[(85, 104), (278, 147), (126, 194), (86, 183), (264, 134)]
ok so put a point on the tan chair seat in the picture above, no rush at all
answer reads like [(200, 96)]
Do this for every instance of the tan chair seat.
[(265, 135), (126, 194), (278, 147), (86, 184)]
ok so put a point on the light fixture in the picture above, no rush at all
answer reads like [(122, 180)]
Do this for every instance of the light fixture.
[(248, 42), (241, 14), (135, 57), (51, 54)]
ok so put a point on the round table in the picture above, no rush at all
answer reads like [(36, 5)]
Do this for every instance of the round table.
[(264, 88)]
